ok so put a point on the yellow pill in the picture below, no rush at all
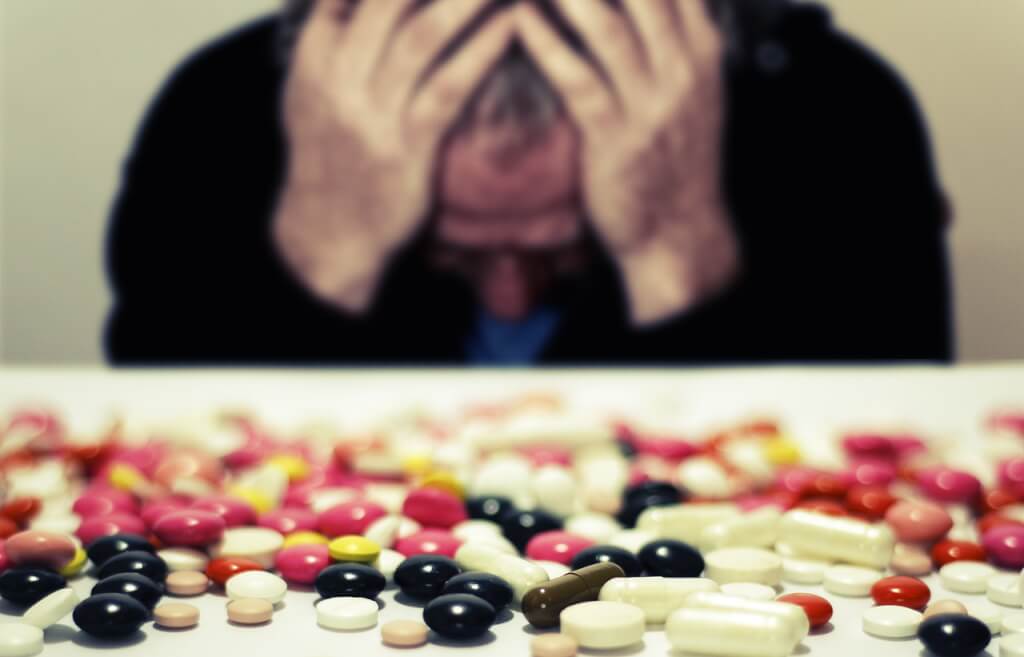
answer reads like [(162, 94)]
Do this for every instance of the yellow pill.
[(305, 538), (125, 477), (353, 548), (295, 467), (781, 451), (258, 500), (416, 464), (76, 565), (445, 481)]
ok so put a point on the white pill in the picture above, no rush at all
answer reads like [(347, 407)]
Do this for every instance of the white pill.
[(794, 615), (183, 558), (749, 590), (554, 490), (891, 621), (260, 544), (1011, 645), (58, 524), (346, 613), (850, 581), (803, 571), (966, 576), (553, 568), (726, 633), (743, 565), (759, 528), (632, 539), (507, 476), (598, 527), (384, 531), (705, 477), (603, 625), (656, 596), (830, 538), (1013, 623), (497, 542), (472, 529), (684, 522), (256, 584), (20, 640), (51, 609), (987, 614), (518, 572), (389, 496), (1004, 589), (387, 562), (603, 473)]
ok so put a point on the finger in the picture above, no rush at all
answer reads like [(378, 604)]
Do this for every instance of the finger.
[(418, 44), (657, 23), (373, 23), (582, 89), (700, 32), (444, 95)]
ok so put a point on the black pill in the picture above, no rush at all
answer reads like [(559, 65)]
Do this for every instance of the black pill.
[(350, 580), (954, 635), (133, 585), (669, 558), (105, 547), (608, 553), (520, 526), (641, 497), (488, 507), (110, 615), (423, 576), (135, 561), (491, 588), (27, 586), (459, 616)]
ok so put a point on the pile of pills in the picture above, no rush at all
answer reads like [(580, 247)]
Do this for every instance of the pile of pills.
[(596, 532)]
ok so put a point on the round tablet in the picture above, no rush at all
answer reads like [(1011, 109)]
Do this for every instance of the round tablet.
[(851, 581), (749, 590), (1011, 645), (257, 584), (176, 615), (1013, 623), (966, 576), (553, 645), (603, 624), (944, 607), (250, 611), (1004, 589), (347, 613), (183, 558), (741, 564), (404, 633), (187, 583), (891, 621), (803, 571), (20, 640), (51, 609)]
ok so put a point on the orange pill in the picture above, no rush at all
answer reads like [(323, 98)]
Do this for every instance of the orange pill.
[(404, 633), (250, 611), (553, 645), (944, 607), (187, 582), (176, 615)]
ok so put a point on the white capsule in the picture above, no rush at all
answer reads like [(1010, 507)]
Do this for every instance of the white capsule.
[(749, 590), (554, 489), (793, 615), (384, 531), (468, 530), (183, 558), (738, 564), (725, 633), (656, 596), (387, 562), (759, 528), (684, 522), (552, 568), (603, 473), (598, 527), (631, 539), (518, 572), (840, 539), (505, 475), (705, 477)]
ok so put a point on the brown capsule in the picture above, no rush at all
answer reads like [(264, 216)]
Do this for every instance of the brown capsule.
[(544, 602)]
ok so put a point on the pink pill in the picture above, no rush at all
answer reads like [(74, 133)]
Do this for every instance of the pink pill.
[(153, 511), (796, 479), (95, 527), (235, 512), (434, 507), (907, 446), (557, 546), (918, 521), (670, 449), (872, 472), (187, 464), (190, 528), (1005, 546), (782, 500), (869, 445), (288, 520), (948, 485), (38, 548), (428, 541), (101, 502), (1011, 475), (349, 518), (301, 564)]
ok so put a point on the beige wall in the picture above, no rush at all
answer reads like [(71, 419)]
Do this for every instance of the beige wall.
[(78, 74)]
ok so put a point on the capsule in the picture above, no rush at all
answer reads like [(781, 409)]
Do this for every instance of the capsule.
[(656, 596), (729, 633), (543, 603), (793, 615), (685, 522), (757, 529), (521, 574), (837, 539)]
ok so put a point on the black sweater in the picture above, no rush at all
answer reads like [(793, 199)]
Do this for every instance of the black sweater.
[(829, 180)]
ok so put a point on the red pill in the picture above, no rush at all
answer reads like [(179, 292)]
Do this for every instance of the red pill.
[(429, 541), (5, 563), (349, 518), (7, 527), (828, 484), (434, 507), (869, 501), (817, 608), (189, 527), (948, 551), (901, 590), (21, 510), (991, 520), (558, 546), (872, 473), (221, 570), (994, 499)]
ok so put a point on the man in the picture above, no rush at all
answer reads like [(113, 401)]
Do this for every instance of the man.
[(574, 181)]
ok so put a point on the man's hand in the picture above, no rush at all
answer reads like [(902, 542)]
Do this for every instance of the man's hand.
[(650, 114), (365, 112)]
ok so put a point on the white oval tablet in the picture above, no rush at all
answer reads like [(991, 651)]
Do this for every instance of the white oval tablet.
[(632, 539), (183, 558), (891, 621), (388, 562), (347, 613), (260, 544), (987, 614), (598, 527), (51, 609), (1013, 623), (966, 576), (850, 581), (749, 590), (743, 565), (471, 529), (603, 625), (1011, 645), (803, 571), (256, 584), (20, 640), (1004, 589)]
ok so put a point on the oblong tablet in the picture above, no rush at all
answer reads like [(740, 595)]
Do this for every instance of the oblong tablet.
[(603, 625)]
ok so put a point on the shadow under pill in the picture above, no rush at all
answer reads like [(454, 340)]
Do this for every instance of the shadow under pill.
[(263, 624), (538, 631), (8, 609), (503, 616), (482, 640), (59, 634), (409, 601), (635, 649), (88, 641), (801, 649), (827, 628)]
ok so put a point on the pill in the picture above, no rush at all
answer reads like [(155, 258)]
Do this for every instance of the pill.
[(553, 645), (954, 635), (189, 528), (730, 633), (553, 569), (1012, 623), (850, 581), (749, 590), (51, 609), (459, 616), (404, 633), (187, 583), (558, 546), (26, 586), (110, 615), (423, 577), (20, 640), (966, 576), (757, 529), (490, 587), (257, 584), (743, 565), (313, 538), (684, 522), (435, 541), (353, 548), (603, 625), (667, 557), (598, 527), (987, 614), (176, 615), (1005, 546), (901, 590), (1011, 645), (803, 571), (944, 607), (258, 544), (250, 611), (629, 562), (135, 561), (141, 588), (631, 540), (826, 537), (489, 507), (890, 621), (1004, 589), (657, 597), (911, 560), (291, 521), (917, 521), (39, 548), (543, 603), (76, 565), (554, 489), (794, 615), (470, 529), (183, 558), (519, 573), (521, 526), (388, 562), (817, 608), (347, 613), (349, 580), (947, 551), (221, 570)]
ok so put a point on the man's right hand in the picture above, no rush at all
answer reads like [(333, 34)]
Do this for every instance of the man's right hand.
[(365, 112)]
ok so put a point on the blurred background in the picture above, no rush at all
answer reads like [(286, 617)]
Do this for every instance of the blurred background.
[(78, 75)]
